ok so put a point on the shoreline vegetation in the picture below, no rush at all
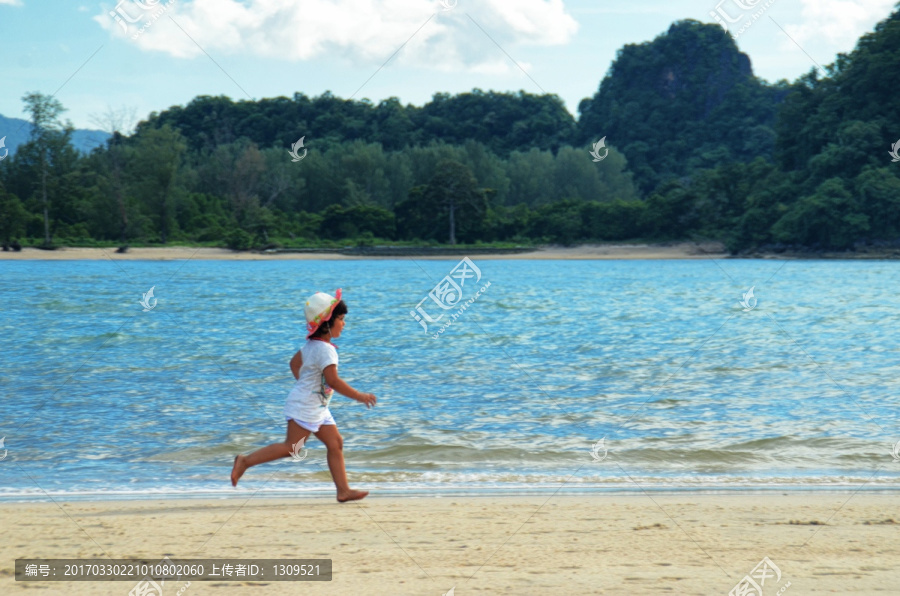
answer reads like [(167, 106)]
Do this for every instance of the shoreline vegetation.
[(680, 142), (595, 251)]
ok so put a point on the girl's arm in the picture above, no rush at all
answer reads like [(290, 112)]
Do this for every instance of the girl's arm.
[(296, 363), (339, 385)]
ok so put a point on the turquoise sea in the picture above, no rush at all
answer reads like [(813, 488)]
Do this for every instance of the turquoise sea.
[(571, 375)]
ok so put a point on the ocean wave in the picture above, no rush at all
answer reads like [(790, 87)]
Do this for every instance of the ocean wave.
[(436, 484)]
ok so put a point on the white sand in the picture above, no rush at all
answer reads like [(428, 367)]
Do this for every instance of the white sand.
[(589, 544)]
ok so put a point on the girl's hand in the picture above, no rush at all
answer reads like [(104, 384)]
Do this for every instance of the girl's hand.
[(366, 398)]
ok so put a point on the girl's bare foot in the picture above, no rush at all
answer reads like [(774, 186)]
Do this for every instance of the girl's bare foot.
[(353, 495), (238, 470)]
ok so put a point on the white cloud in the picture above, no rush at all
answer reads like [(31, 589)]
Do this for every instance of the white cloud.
[(366, 31), (11, 2), (838, 22)]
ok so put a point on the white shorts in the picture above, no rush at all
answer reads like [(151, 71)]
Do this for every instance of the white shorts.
[(314, 426)]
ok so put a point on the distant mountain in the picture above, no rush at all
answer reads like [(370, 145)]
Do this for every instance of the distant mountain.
[(687, 100), (17, 132)]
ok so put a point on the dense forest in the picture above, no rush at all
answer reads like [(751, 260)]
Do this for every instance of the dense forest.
[(695, 148)]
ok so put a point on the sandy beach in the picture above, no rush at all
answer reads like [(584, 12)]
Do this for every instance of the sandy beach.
[(679, 250), (587, 544)]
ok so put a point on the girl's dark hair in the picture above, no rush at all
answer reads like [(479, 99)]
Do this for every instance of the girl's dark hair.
[(339, 309)]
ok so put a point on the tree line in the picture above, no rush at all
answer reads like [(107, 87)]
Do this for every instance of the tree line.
[(699, 149)]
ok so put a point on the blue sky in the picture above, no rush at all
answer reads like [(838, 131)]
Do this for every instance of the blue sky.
[(266, 48)]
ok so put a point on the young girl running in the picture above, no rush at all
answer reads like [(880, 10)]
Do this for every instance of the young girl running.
[(306, 410)]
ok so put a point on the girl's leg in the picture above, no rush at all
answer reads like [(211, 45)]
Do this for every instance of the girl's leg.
[(295, 433), (333, 440)]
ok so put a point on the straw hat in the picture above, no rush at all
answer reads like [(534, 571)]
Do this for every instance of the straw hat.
[(318, 309)]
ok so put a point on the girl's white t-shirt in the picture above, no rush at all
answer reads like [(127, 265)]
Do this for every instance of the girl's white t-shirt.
[(308, 400)]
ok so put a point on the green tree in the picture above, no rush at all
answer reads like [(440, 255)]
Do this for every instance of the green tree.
[(560, 222), (613, 220), (364, 166), (766, 203), (46, 132), (830, 218), (155, 169), (13, 217), (671, 212), (450, 206), (878, 192), (415, 219), (577, 176), (506, 223), (530, 177), (340, 222), (453, 189)]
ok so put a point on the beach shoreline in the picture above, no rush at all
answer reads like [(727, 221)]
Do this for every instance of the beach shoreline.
[(608, 251), (681, 250), (586, 544)]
